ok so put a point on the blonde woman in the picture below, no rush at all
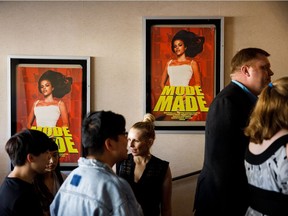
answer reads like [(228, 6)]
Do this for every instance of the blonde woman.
[(149, 176)]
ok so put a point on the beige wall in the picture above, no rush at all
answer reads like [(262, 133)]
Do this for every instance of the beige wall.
[(111, 33)]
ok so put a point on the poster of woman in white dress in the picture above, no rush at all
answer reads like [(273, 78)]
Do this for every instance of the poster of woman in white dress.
[(49, 98), (182, 73)]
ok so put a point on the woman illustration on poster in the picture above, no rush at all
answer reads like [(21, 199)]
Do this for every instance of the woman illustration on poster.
[(53, 86), (180, 71)]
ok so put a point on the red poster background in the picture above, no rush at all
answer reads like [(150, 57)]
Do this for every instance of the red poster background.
[(27, 93), (161, 53)]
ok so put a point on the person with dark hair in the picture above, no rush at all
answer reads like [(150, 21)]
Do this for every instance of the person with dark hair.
[(266, 156), (48, 184), (93, 188), (29, 154), (179, 72), (149, 176), (53, 85), (222, 187)]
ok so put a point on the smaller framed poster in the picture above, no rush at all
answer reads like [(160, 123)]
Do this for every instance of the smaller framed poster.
[(50, 94)]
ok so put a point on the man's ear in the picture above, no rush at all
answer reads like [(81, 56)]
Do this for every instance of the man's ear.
[(109, 144), (30, 158), (244, 70)]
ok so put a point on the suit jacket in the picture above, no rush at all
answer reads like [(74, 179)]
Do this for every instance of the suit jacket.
[(222, 184)]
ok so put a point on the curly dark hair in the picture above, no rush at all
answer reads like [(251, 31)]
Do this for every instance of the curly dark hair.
[(193, 42), (60, 83)]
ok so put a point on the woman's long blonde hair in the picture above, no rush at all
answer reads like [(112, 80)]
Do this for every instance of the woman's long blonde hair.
[(270, 113)]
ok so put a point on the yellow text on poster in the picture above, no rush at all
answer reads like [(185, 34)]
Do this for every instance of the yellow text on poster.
[(181, 98)]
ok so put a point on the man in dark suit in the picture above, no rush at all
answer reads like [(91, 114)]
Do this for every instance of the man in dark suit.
[(222, 185)]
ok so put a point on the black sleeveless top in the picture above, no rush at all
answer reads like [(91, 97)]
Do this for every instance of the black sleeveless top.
[(148, 189)]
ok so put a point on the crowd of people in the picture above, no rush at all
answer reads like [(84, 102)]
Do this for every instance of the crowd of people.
[(36, 185), (245, 169)]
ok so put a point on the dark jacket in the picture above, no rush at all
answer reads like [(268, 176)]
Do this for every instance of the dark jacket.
[(222, 185)]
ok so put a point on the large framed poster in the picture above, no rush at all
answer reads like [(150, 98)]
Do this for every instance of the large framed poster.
[(51, 94), (183, 69)]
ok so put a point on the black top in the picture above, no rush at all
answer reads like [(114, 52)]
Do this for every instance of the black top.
[(18, 198), (148, 190)]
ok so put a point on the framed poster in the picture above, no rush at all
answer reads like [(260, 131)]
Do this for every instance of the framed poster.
[(183, 69), (51, 94)]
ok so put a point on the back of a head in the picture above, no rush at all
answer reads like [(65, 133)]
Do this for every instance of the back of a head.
[(270, 113), (97, 127), (245, 55), (26, 142)]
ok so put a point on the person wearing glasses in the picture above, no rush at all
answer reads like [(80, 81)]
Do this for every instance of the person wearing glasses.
[(149, 176), (93, 188)]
